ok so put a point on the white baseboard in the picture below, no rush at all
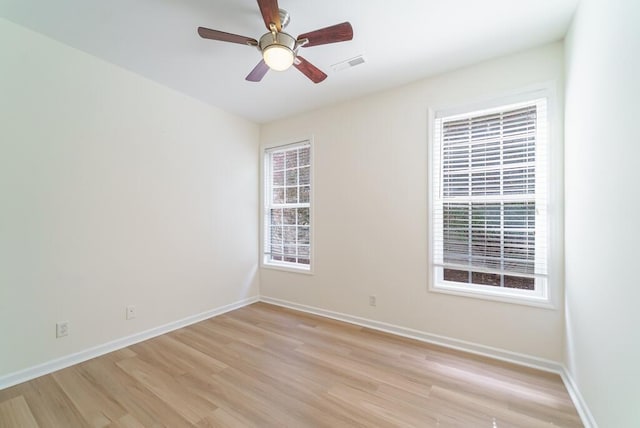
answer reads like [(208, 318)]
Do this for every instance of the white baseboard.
[(578, 400), (87, 354), (461, 345)]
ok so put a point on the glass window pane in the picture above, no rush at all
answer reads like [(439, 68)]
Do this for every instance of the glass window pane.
[(276, 234), (292, 159), (278, 195), (276, 216), (276, 250), (303, 216), (456, 234), (305, 175), (304, 156), (482, 278), (292, 177), (519, 282), (278, 178), (277, 161), (456, 275), (292, 195), (304, 194), (303, 234), (289, 235), (289, 216)]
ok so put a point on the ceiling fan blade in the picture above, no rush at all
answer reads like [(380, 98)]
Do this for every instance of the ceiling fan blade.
[(258, 72), (335, 33), (270, 13), (207, 33), (311, 71)]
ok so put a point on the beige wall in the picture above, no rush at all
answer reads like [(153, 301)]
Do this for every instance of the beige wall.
[(602, 208), (113, 191), (370, 215)]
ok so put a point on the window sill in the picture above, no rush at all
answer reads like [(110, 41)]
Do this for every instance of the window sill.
[(288, 268), (538, 302)]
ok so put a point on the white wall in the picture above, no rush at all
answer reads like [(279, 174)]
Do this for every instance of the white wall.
[(370, 214), (113, 190), (602, 208)]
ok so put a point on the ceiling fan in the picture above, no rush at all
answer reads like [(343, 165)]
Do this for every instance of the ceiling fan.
[(279, 49)]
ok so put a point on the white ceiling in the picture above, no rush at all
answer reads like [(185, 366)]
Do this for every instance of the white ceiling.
[(402, 41)]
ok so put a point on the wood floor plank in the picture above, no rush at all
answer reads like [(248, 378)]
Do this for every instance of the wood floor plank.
[(166, 388), (132, 395), (16, 413), (377, 373), (483, 410), (175, 358), (127, 421), (393, 412), (264, 366), (98, 409), (50, 406), (222, 418)]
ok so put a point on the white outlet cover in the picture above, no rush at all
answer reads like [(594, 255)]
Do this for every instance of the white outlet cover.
[(131, 312), (62, 329)]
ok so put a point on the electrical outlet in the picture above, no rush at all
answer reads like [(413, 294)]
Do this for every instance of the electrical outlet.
[(372, 300), (62, 328), (131, 312)]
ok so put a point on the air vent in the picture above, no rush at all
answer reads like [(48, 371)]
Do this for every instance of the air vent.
[(343, 65)]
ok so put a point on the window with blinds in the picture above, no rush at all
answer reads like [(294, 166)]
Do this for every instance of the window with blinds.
[(489, 224), (287, 193)]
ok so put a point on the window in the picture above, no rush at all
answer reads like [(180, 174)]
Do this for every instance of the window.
[(489, 202), (287, 209)]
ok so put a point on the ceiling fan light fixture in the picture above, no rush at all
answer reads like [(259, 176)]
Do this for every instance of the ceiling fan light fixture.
[(278, 50), (278, 57)]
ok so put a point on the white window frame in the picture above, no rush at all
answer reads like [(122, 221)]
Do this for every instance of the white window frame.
[(544, 294), (266, 197)]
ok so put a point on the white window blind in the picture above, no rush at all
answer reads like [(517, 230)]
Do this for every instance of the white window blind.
[(287, 225), (490, 199)]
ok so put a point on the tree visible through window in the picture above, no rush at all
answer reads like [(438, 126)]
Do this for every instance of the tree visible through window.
[(287, 237), (489, 197)]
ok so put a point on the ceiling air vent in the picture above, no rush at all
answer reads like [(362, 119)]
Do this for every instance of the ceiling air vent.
[(343, 65)]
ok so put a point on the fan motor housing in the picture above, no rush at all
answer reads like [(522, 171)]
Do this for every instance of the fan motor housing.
[(282, 39)]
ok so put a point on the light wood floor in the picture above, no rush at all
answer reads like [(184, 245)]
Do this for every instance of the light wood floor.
[(267, 366)]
